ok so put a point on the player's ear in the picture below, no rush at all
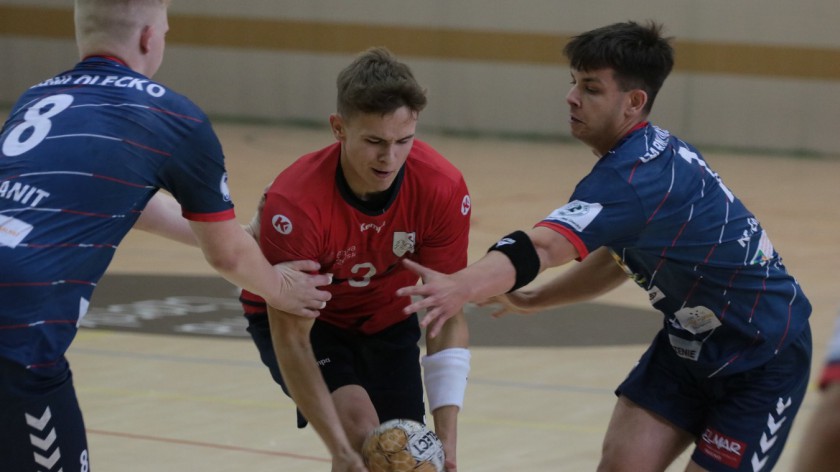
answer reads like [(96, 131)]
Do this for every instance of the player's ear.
[(337, 126), (638, 99), (145, 39)]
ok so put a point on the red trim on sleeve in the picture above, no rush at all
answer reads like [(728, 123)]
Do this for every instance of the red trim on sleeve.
[(568, 234), (830, 375), (210, 217)]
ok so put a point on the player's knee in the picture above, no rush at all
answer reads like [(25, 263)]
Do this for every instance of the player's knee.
[(610, 454)]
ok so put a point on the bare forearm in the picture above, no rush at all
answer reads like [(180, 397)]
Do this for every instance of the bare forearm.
[(243, 264), (454, 333), (290, 337), (446, 428), (596, 275), (292, 287), (491, 275)]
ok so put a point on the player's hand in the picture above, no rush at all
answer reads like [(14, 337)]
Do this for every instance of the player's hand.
[(514, 302), (350, 462), (299, 293), (442, 296)]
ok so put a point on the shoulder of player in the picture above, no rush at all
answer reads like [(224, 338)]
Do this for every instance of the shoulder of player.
[(427, 163), (310, 174), (180, 105), (98, 73)]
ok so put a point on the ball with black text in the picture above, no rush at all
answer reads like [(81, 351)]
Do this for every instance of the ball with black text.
[(403, 445)]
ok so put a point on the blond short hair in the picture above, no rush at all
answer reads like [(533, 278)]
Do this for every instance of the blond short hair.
[(106, 22)]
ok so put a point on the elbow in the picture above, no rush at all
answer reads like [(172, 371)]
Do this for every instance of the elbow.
[(224, 263)]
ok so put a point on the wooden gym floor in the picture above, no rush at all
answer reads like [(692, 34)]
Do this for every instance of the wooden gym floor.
[(538, 400)]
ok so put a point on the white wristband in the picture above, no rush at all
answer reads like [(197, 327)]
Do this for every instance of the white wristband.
[(445, 377)]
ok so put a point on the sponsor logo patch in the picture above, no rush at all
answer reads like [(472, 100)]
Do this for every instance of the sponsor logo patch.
[(697, 319), (366, 226), (654, 295), (576, 214), (282, 224), (722, 448), (685, 348), (765, 251), (13, 231), (223, 187), (466, 204)]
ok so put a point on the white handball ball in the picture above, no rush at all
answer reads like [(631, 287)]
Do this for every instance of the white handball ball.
[(403, 446)]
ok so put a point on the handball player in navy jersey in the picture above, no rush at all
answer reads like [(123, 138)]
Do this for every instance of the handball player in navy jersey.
[(82, 157), (727, 373)]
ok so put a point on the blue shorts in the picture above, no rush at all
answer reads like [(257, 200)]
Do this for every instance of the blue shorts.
[(385, 364), (741, 421), (41, 425)]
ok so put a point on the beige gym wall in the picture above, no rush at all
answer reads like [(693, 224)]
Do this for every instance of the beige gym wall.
[(752, 74)]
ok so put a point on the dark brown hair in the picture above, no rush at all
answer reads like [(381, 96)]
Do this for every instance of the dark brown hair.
[(638, 54), (376, 82)]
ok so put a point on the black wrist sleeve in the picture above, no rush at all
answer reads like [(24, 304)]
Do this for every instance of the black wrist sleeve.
[(519, 248)]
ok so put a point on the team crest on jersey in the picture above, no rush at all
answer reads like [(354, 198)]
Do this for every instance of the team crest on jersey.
[(403, 243), (223, 187), (577, 214), (282, 224)]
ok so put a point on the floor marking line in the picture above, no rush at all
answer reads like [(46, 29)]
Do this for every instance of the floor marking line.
[(187, 442)]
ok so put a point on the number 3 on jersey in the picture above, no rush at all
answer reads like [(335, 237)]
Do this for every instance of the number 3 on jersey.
[(36, 125), (369, 271)]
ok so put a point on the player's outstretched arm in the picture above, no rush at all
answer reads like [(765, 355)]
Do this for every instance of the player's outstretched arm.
[(495, 273), (238, 258), (290, 337), (594, 276)]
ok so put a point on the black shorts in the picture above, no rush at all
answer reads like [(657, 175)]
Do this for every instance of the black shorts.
[(385, 364), (41, 425)]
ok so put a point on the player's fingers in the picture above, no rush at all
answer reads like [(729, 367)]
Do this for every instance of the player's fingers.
[(424, 272), (324, 296), (320, 280), (408, 291), (430, 320), (417, 306), (316, 299), (436, 325), (413, 266)]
